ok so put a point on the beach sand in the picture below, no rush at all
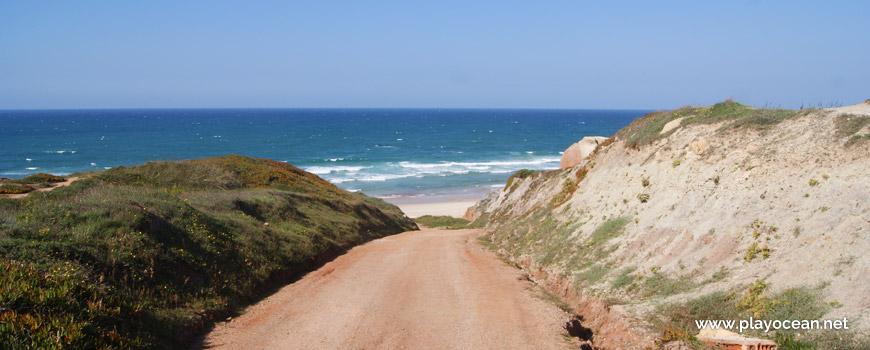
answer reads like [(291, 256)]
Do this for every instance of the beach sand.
[(418, 206)]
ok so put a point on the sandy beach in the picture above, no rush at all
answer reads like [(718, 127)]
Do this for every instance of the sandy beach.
[(418, 206)]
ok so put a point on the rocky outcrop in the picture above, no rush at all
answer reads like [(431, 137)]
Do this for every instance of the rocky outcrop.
[(580, 150)]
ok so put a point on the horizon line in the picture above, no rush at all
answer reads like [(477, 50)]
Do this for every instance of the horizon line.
[(318, 108)]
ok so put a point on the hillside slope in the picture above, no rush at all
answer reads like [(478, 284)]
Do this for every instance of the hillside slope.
[(147, 256), (728, 212)]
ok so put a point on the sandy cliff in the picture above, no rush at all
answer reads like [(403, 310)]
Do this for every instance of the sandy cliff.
[(746, 207)]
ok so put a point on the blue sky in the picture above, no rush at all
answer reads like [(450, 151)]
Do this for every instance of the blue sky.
[(480, 54)]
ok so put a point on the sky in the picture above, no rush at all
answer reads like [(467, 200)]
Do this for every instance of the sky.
[(434, 54)]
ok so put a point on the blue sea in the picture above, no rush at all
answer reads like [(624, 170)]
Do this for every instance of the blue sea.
[(382, 152)]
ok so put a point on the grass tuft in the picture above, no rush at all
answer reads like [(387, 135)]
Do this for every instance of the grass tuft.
[(609, 229), (444, 221)]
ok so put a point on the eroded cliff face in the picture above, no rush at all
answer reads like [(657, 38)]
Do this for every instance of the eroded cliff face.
[(755, 204)]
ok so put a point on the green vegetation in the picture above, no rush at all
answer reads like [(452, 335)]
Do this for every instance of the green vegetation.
[(15, 188), (569, 186), (555, 300), (676, 163), (29, 183), (609, 229), (717, 276), (520, 174), (644, 181), (41, 178), (591, 275), (814, 182), (800, 303), (147, 256), (754, 250), (857, 138), (660, 284), (643, 197), (624, 279), (648, 129), (848, 125), (444, 221)]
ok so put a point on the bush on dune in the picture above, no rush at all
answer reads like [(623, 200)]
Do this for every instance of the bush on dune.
[(146, 256), (444, 221)]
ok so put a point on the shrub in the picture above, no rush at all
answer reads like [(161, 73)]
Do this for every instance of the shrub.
[(814, 182), (15, 188), (644, 181), (445, 221), (569, 187), (136, 256), (755, 301), (799, 303), (41, 178), (754, 250), (648, 129), (676, 163), (643, 197), (520, 174)]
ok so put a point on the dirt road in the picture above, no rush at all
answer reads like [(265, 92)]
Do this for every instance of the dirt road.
[(44, 189), (430, 289)]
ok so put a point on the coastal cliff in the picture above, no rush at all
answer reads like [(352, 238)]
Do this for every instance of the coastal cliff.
[(724, 212), (148, 256)]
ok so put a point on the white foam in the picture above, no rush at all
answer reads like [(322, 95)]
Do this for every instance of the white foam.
[(530, 162), (373, 178), (31, 168), (407, 169), (323, 170)]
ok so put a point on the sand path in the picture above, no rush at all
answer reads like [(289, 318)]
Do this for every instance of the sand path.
[(54, 185), (429, 289)]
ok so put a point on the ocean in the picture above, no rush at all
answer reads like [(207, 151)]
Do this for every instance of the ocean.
[(382, 152)]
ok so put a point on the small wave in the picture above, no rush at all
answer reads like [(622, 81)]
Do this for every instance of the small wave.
[(530, 162), (374, 178), (324, 170), (407, 169), (26, 173), (61, 151), (31, 168)]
